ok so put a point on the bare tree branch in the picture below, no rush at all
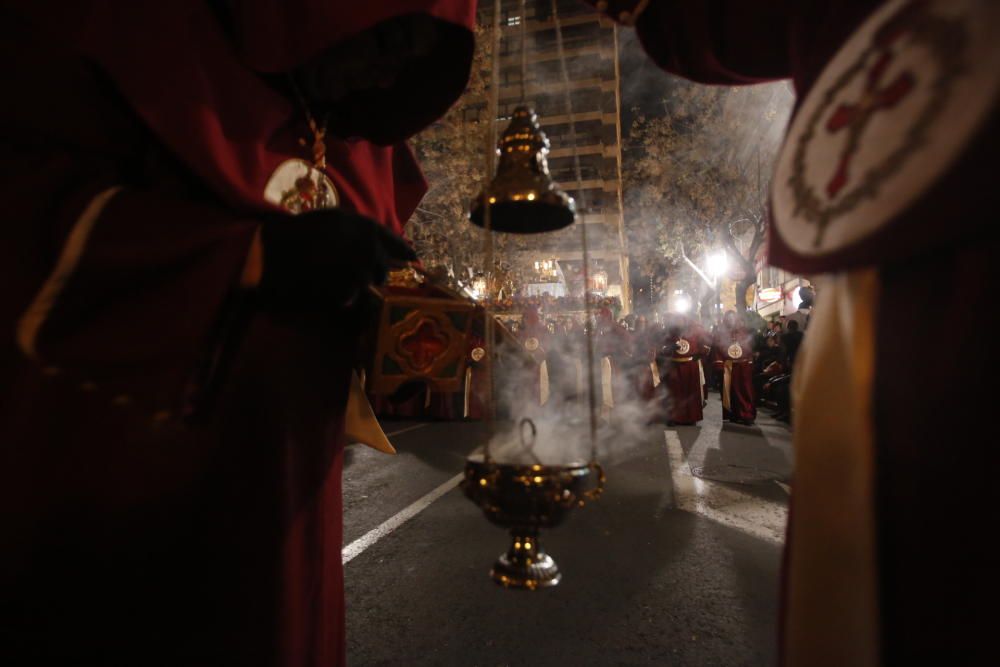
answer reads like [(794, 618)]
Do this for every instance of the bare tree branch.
[(702, 168), (701, 274)]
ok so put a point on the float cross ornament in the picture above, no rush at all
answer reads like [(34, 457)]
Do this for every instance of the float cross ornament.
[(423, 345)]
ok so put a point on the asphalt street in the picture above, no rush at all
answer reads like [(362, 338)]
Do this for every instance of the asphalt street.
[(677, 564)]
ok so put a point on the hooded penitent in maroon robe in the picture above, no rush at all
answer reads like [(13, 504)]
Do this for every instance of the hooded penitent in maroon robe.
[(137, 145), (681, 374), (611, 346), (643, 344), (887, 185), (476, 392), (535, 338), (732, 353)]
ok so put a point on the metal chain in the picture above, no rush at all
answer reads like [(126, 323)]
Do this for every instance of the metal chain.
[(524, 51), (591, 389), (489, 335)]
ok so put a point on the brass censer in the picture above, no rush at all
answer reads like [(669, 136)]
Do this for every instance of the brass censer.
[(524, 498), (522, 198)]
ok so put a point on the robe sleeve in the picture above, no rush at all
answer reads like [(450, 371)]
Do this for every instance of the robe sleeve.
[(137, 277), (107, 271), (718, 41)]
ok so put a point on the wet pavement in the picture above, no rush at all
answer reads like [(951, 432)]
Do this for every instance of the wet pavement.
[(668, 568)]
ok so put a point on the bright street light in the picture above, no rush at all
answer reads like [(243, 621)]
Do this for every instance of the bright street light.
[(682, 304), (717, 263)]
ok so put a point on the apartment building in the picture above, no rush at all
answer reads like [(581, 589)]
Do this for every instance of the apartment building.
[(590, 48)]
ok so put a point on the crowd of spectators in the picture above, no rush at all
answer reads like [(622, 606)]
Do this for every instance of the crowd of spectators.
[(774, 358), (550, 305)]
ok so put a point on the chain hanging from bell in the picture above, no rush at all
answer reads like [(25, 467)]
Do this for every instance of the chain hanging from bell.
[(523, 198)]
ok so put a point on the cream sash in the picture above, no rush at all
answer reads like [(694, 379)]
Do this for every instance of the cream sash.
[(543, 383), (606, 383), (360, 424), (831, 607), (468, 391), (727, 384)]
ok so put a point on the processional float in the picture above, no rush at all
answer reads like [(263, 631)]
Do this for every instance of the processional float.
[(527, 495)]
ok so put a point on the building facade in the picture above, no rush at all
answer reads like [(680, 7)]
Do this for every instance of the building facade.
[(590, 51), (777, 292)]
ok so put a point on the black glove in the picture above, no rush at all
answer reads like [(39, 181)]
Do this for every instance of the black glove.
[(322, 260)]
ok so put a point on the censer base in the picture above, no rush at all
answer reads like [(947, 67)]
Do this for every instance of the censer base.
[(526, 217), (524, 498), (525, 565)]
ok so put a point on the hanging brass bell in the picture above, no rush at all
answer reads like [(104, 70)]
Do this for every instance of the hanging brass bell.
[(523, 198)]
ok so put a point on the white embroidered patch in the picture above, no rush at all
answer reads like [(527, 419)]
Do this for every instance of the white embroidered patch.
[(887, 118)]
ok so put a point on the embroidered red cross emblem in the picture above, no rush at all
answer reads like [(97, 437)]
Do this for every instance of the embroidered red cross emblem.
[(423, 345), (307, 193), (855, 117)]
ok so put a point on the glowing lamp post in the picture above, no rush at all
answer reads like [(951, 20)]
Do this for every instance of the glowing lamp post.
[(717, 264)]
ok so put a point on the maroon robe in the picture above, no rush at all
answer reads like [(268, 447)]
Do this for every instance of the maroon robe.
[(934, 262), (479, 389), (683, 380), (733, 353), (130, 535), (412, 407), (643, 352), (612, 341), (423, 404), (698, 334)]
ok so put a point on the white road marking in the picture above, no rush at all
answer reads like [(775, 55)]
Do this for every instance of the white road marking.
[(761, 518), (358, 546), (406, 430)]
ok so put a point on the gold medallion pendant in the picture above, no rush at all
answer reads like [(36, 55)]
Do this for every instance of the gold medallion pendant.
[(297, 187)]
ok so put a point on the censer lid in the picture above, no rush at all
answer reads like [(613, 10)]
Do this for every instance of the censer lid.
[(523, 198)]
